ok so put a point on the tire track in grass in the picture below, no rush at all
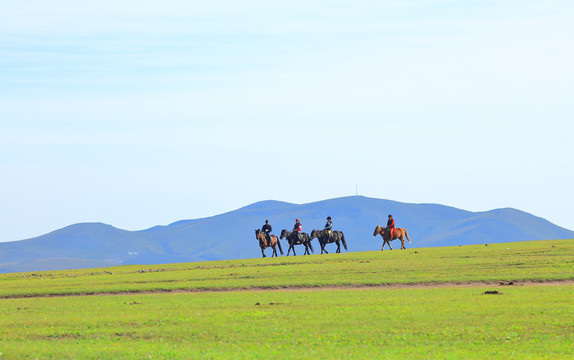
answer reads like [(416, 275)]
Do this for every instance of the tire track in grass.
[(420, 285)]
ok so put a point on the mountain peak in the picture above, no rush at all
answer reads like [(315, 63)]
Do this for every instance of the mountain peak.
[(230, 235)]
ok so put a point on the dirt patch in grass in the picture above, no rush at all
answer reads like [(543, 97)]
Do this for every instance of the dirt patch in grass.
[(424, 285), (492, 292)]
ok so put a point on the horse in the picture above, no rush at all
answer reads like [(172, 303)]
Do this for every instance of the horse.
[(263, 243), (399, 234), (323, 236), (303, 239)]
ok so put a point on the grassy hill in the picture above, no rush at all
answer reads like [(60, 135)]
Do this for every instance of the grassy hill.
[(442, 303), (495, 263)]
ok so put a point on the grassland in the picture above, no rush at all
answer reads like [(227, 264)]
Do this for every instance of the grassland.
[(425, 303)]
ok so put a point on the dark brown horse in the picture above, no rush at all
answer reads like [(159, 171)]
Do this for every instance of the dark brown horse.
[(324, 238), (293, 240), (387, 238), (263, 243)]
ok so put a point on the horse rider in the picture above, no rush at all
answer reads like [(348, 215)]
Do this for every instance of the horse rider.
[(391, 226), (297, 228), (266, 229), (328, 227)]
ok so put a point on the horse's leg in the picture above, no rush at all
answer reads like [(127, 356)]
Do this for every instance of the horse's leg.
[(338, 247), (262, 252), (294, 251), (275, 251), (288, 250)]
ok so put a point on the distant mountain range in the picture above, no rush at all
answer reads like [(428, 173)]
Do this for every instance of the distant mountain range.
[(231, 235)]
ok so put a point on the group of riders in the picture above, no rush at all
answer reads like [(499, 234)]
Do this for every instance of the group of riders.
[(266, 229)]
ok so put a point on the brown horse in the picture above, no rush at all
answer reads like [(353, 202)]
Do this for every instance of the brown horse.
[(263, 243), (399, 234)]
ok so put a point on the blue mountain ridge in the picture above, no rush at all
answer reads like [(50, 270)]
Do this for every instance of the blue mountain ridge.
[(232, 235)]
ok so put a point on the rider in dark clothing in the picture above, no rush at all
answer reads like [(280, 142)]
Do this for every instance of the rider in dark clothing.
[(328, 226), (266, 229)]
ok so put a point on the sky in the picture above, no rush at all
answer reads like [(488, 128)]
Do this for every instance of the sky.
[(143, 113)]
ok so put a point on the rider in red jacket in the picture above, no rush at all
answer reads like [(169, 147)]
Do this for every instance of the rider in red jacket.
[(391, 226), (297, 227)]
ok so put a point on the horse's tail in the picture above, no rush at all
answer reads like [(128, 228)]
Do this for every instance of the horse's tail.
[(309, 243), (343, 240), (407, 235), (279, 245)]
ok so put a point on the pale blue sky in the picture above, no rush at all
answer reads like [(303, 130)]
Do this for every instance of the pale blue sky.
[(139, 113)]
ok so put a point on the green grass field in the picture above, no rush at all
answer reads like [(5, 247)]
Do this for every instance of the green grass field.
[(425, 303)]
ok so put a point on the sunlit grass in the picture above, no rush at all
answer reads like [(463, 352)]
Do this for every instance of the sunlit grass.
[(303, 308), (524, 261), (461, 322)]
